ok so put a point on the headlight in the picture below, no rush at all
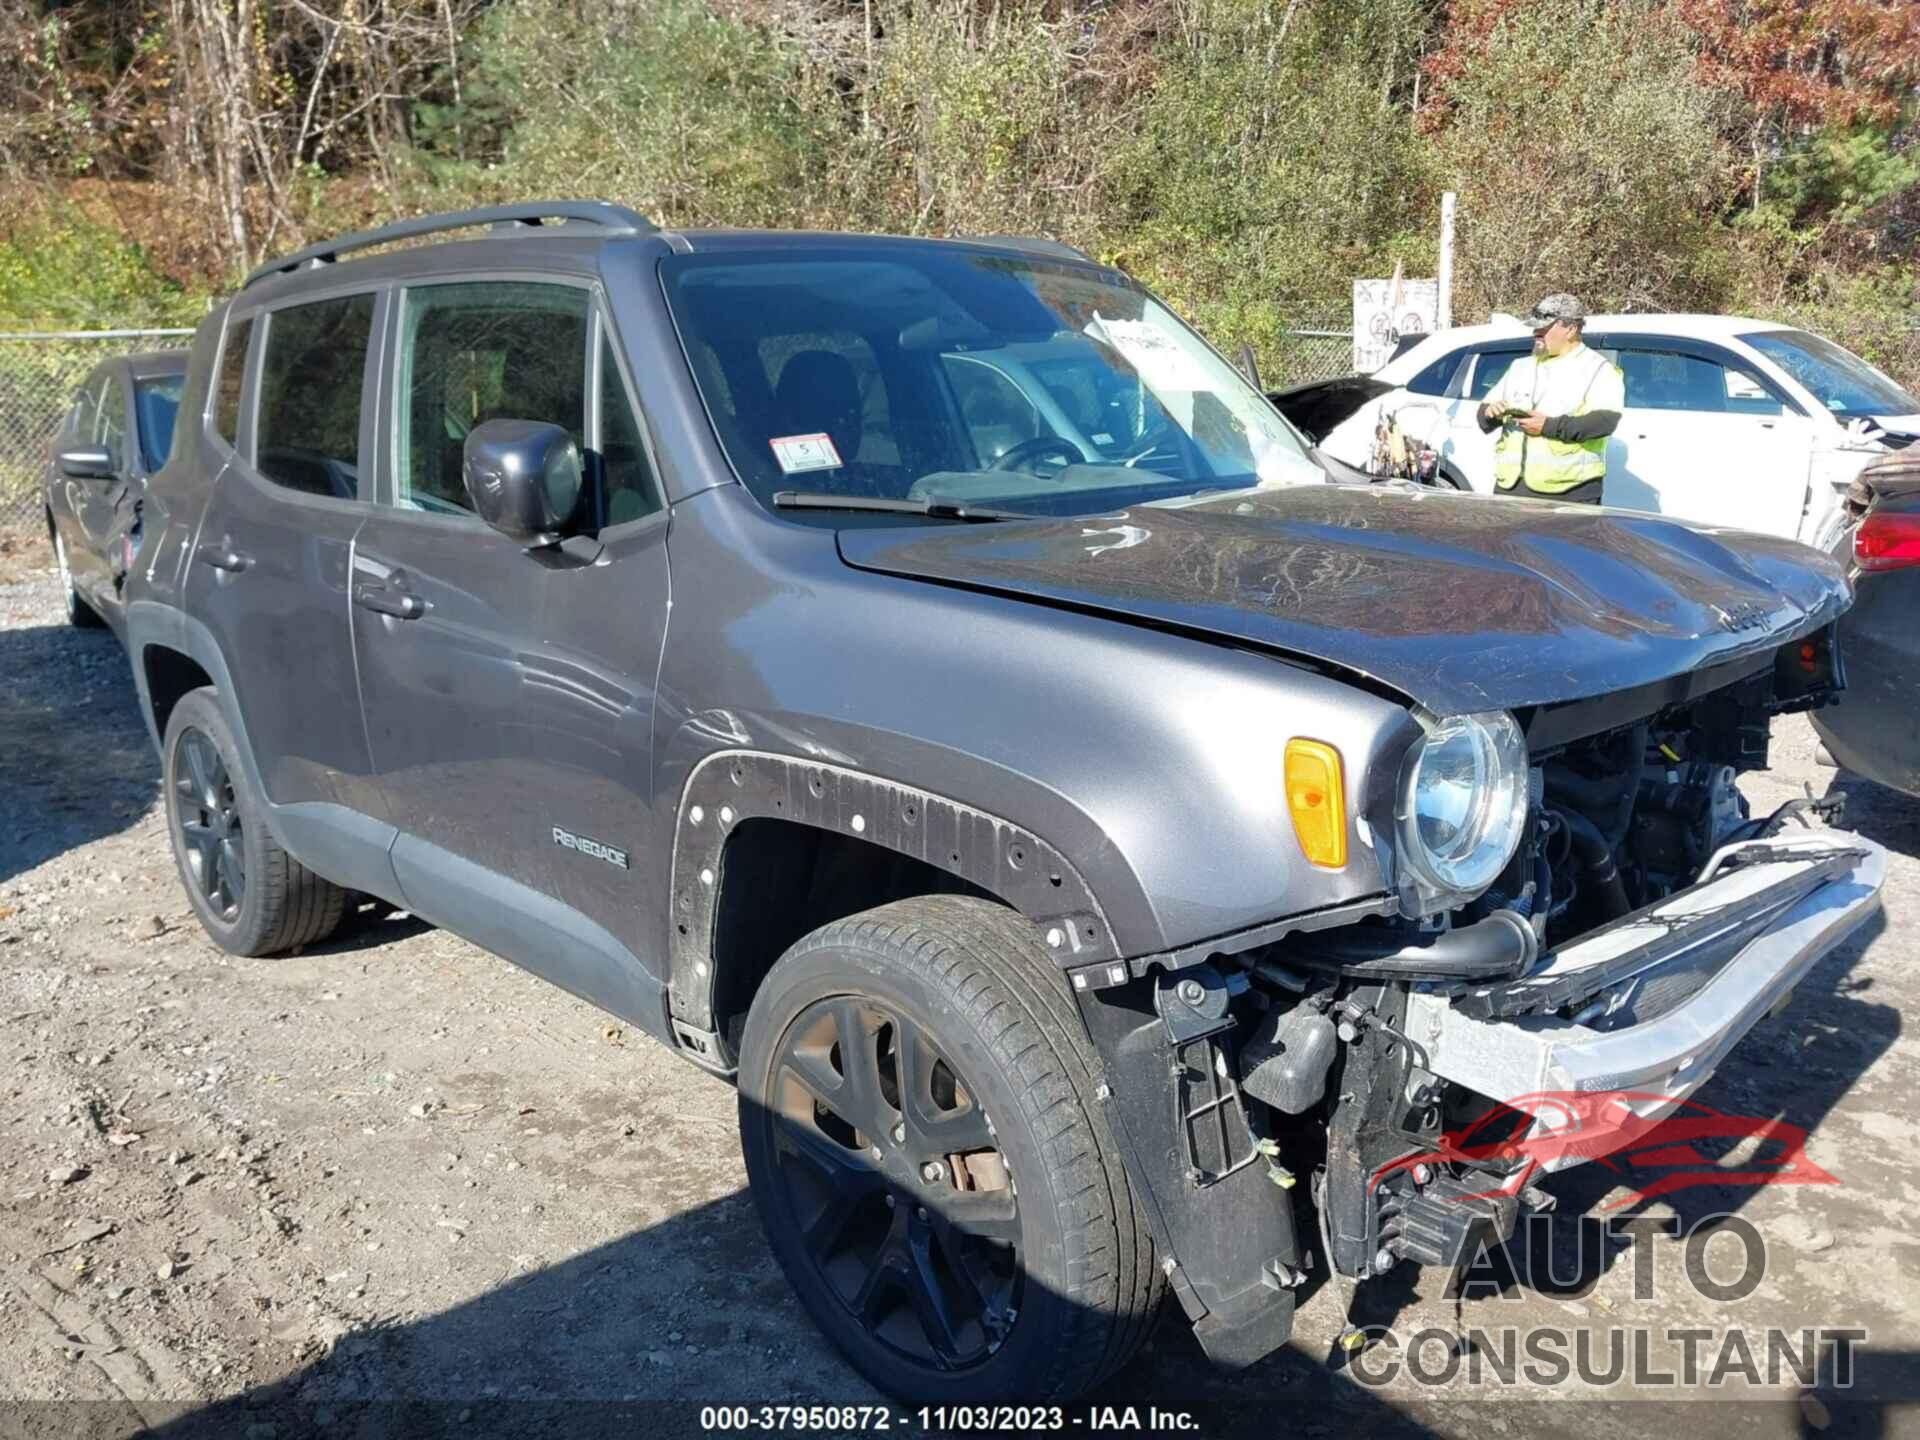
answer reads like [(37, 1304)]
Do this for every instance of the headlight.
[(1463, 804)]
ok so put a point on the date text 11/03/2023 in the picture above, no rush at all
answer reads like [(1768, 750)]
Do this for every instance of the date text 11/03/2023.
[(721, 1419)]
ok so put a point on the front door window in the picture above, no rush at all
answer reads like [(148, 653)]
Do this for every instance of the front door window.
[(478, 352)]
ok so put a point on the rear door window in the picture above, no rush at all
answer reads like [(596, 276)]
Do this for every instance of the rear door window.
[(307, 430)]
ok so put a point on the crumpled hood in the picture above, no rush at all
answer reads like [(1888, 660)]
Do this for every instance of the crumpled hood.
[(1458, 602)]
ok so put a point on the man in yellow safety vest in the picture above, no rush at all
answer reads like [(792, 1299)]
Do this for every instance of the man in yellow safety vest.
[(1554, 410)]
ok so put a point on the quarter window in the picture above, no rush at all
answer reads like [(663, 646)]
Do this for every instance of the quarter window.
[(233, 370), (110, 430), (86, 414), (478, 352), (625, 476), (1433, 379), (308, 430)]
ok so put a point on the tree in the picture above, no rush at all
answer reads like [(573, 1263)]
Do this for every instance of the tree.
[(1801, 64), (1585, 158)]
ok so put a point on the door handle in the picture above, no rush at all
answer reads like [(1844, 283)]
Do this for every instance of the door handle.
[(223, 557), (397, 603)]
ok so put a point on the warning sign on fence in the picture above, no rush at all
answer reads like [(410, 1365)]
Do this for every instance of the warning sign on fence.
[(1385, 310)]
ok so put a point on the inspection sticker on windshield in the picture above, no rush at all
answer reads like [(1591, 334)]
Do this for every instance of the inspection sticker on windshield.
[(805, 452)]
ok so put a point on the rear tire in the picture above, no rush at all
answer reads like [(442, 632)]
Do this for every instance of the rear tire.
[(252, 897), (1023, 1272)]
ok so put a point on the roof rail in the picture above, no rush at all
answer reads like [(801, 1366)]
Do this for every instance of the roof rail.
[(1038, 244), (612, 219)]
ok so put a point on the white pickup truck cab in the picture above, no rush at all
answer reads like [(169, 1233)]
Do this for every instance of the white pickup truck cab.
[(1728, 421)]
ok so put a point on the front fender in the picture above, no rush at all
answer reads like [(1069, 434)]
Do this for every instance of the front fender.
[(1148, 760)]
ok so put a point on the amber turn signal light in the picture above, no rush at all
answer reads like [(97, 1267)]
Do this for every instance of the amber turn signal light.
[(1317, 800)]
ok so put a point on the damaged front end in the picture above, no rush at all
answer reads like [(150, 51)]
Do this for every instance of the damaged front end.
[(1639, 923)]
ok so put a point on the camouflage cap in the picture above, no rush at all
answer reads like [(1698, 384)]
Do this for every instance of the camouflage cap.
[(1556, 307)]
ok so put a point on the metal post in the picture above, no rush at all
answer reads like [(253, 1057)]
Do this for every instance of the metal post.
[(1444, 320)]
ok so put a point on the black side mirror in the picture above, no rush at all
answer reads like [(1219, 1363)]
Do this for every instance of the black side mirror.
[(523, 477), (86, 462)]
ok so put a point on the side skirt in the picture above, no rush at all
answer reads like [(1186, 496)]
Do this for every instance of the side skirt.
[(532, 929)]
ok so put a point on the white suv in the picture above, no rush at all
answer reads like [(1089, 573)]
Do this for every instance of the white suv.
[(1728, 421)]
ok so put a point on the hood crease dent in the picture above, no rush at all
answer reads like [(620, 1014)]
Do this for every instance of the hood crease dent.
[(1458, 602)]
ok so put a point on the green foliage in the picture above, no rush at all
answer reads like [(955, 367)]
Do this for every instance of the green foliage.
[(661, 104), (1835, 178), (972, 121), (72, 274), (1247, 158), (1273, 163), (1587, 159)]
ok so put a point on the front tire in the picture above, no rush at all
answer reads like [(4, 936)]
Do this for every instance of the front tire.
[(252, 897), (934, 1172), (80, 615)]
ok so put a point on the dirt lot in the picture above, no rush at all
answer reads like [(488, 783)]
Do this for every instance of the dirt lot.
[(394, 1186)]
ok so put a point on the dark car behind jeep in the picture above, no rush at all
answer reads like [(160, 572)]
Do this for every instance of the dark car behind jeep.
[(115, 434), (924, 682)]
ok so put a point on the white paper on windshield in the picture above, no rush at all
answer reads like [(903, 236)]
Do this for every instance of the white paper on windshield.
[(1277, 468), (1743, 387), (1163, 365), (799, 453)]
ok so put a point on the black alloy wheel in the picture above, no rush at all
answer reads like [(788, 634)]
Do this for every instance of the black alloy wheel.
[(890, 1171), (207, 818), (922, 1121), (252, 897)]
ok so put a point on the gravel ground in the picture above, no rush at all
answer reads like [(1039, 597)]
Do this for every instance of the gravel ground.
[(394, 1186)]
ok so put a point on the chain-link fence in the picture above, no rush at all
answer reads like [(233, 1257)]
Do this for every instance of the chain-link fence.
[(39, 377), (1303, 356)]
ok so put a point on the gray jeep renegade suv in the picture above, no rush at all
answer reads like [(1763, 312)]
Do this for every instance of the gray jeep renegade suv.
[(922, 681)]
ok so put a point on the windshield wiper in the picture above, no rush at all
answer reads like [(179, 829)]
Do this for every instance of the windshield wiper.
[(932, 506)]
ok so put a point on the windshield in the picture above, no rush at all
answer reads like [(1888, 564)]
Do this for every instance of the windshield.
[(926, 374), (1840, 380), (155, 402)]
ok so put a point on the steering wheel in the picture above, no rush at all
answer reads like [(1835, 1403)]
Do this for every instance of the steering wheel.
[(1027, 451)]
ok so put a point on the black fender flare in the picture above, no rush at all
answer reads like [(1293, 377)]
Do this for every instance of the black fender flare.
[(1005, 859)]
